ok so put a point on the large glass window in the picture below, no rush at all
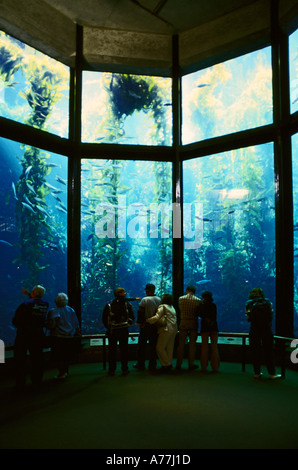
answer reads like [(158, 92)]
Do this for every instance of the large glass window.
[(126, 236), (126, 109), (33, 226), (34, 89), (295, 222), (228, 97), (229, 200), (293, 47)]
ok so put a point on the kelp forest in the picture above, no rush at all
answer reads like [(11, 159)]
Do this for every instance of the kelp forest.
[(127, 215)]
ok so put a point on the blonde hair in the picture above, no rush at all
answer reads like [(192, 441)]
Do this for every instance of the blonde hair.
[(38, 291), (61, 300)]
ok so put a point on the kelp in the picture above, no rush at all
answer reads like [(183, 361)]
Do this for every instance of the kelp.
[(33, 220)]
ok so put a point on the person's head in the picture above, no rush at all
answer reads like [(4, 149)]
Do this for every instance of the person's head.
[(38, 292), (61, 300), (120, 293), (190, 290), (256, 293), (207, 296), (150, 289), (167, 299)]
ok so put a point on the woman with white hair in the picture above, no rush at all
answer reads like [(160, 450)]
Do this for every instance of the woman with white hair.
[(64, 326)]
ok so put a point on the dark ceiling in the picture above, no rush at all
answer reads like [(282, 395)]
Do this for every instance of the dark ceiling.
[(139, 33)]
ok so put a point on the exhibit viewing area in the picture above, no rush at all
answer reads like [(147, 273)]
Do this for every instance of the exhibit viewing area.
[(150, 141)]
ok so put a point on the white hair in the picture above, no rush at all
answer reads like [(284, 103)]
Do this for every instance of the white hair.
[(61, 300)]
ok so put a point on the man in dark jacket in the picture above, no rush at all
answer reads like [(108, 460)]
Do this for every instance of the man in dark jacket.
[(117, 316), (259, 313), (30, 319)]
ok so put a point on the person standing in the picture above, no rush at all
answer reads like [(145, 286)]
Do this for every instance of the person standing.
[(209, 329), (64, 328), (166, 321), (259, 313), (188, 306), (148, 332), (117, 316), (29, 320)]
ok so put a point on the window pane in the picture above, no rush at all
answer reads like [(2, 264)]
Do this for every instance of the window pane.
[(126, 235), (34, 89), (126, 109), (228, 97), (33, 238), (229, 229), (293, 48), (295, 222)]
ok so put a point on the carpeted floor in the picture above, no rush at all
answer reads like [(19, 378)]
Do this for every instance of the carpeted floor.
[(186, 410)]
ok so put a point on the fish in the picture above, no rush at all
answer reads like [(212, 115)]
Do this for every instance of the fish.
[(63, 206), (204, 281), (42, 209), (134, 95), (27, 200), (28, 207), (56, 197), (28, 171), (51, 165), (60, 180), (61, 209), (5, 242), (41, 201), (31, 188), (51, 187), (14, 191)]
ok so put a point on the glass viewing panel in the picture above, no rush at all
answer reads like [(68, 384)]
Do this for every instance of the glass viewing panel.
[(126, 233), (295, 222), (33, 221), (34, 89), (228, 97), (126, 109), (293, 51), (230, 206)]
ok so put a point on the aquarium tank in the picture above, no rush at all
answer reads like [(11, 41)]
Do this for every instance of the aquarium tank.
[(126, 233), (127, 218), (233, 201), (34, 90)]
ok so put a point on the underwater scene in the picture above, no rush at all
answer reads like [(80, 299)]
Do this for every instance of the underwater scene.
[(233, 201), (34, 89), (126, 109), (128, 220), (293, 70), (33, 221), (228, 97), (126, 232)]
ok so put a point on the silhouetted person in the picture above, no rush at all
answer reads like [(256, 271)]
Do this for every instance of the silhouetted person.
[(64, 327), (188, 306), (209, 329), (30, 320), (166, 321), (148, 333), (259, 313), (117, 316)]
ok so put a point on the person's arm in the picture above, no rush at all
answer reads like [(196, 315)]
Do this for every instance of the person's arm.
[(131, 315), (159, 314), (105, 315)]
